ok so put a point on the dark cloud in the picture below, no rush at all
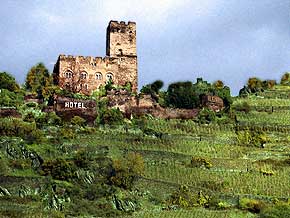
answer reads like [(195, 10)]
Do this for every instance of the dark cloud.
[(177, 40)]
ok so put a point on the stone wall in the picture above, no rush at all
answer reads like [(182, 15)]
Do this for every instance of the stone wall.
[(121, 39), (85, 74), (212, 102)]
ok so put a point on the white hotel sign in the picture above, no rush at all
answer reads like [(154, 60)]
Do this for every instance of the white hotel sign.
[(74, 104)]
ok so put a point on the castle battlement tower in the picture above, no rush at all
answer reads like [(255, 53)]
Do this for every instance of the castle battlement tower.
[(85, 74), (121, 39)]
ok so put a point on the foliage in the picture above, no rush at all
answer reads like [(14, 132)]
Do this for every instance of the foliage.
[(7, 81), (188, 95), (78, 121), (127, 170), (276, 211), (182, 197), (206, 116), (59, 168), (67, 133), (182, 95), (10, 99), (242, 107), (251, 138), (38, 80), (4, 168), (251, 205), (200, 162), (285, 79), (152, 88), (17, 127), (254, 84), (111, 116)]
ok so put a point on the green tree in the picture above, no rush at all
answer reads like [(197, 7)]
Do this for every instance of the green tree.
[(7, 81), (38, 80), (182, 95), (152, 89)]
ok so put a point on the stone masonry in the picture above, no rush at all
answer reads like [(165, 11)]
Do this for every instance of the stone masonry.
[(85, 74)]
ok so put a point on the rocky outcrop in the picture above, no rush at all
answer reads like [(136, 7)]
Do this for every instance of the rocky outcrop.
[(212, 102)]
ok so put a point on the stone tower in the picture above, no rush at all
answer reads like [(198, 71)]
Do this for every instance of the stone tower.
[(121, 39), (85, 74)]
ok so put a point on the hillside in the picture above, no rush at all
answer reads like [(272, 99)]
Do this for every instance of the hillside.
[(149, 167)]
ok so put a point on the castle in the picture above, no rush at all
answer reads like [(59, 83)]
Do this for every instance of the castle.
[(85, 74)]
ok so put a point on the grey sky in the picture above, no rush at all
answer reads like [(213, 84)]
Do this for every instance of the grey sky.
[(177, 40)]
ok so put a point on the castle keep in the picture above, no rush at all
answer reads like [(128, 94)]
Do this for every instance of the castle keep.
[(85, 74)]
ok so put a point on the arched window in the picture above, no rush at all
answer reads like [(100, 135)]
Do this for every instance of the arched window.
[(68, 74), (83, 75), (109, 77), (99, 76)]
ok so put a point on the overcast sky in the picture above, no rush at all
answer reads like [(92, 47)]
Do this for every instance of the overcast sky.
[(177, 40)]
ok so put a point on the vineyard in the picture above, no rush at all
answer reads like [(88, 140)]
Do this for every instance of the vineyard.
[(190, 169)]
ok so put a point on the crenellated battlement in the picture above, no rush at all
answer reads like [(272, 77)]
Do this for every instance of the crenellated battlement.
[(121, 23)]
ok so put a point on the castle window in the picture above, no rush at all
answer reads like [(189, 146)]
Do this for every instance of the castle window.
[(99, 76), (84, 86), (68, 74), (83, 75), (67, 86), (109, 76)]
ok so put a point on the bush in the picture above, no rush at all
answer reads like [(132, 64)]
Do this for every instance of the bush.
[(67, 133), (206, 116), (127, 170), (251, 205), (18, 128), (59, 169), (285, 80), (111, 117), (78, 121), (200, 162), (182, 95), (251, 138)]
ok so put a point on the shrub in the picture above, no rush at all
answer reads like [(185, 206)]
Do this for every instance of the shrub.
[(78, 121), (127, 170), (251, 138), (17, 127), (59, 169), (206, 116), (67, 133), (285, 80), (182, 197), (182, 95), (251, 205), (111, 117), (200, 162)]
